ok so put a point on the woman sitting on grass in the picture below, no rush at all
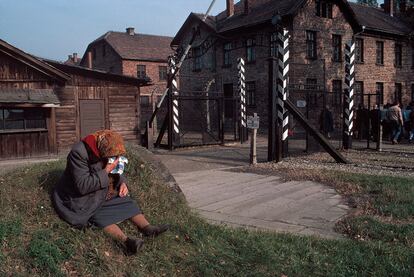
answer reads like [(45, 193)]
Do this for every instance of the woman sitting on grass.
[(88, 194)]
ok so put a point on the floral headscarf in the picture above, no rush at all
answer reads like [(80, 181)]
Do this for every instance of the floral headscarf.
[(106, 144)]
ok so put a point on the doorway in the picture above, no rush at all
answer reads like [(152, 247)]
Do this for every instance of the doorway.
[(92, 116)]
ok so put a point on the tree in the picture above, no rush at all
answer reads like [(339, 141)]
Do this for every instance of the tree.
[(372, 3)]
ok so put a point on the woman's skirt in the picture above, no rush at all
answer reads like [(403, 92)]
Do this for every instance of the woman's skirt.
[(115, 211)]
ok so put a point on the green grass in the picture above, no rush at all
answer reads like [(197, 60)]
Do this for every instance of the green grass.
[(389, 196), (44, 245)]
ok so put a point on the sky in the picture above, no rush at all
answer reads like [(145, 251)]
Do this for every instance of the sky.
[(56, 28)]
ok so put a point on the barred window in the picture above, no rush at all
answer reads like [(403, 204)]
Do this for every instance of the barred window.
[(337, 48), (312, 84), (251, 94), (324, 9), (311, 52)]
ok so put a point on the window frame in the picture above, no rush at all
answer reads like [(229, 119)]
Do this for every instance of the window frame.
[(379, 58), (398, 53), (198, 62), (336, 48), (25, 119), (380, 92), (251, 94), (359, 50), (398, 92), (250, 50), (273, 42), (311, 45), (227, 48), (139, 72), (162, 73), (337, 92)]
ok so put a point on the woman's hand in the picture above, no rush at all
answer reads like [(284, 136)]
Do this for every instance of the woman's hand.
[(112, 166), (123, 190)]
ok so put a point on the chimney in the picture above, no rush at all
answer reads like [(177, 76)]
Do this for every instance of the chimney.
[(389, 7), (75, 57), (70, 57), (89, 59), (230, 8), (246, 6), (130, 31)]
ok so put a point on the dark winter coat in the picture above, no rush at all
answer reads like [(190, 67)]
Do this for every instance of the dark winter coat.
[(82, 189)]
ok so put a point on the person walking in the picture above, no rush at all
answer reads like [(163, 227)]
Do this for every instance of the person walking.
[(326, 122), (411, 117), (395, 118)]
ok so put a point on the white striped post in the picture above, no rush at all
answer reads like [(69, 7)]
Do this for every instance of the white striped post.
[(282, 85), (174, 94), (242, 93), (349, 94)]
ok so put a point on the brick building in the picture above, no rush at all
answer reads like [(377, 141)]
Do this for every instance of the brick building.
[(132, 54), (319, 30)]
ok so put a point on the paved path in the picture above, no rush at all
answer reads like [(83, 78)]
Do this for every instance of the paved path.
[(213, 187)]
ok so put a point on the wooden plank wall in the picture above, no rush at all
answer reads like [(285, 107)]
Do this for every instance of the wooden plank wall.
[(24, 145), (122, 112)]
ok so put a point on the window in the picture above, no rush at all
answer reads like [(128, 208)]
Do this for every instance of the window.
[(103, 50), (312, 84), (380, 52), (141, 71), (324, 9), (337, 92), (337, 48), (226, 53), (198, 63), (251, 94), (250, 50), (145, 101), (398, 55), (359, 50), (273, 45), (398, 92), (21, 119), (380, 93), (162, 70), (359, 90), (311, 52)]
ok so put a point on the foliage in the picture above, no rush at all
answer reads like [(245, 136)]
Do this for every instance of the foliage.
[(372, 3)]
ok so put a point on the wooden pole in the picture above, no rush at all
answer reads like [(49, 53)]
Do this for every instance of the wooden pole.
[(253, 147)]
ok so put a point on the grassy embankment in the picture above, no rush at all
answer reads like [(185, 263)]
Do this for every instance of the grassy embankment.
[(33, 241)]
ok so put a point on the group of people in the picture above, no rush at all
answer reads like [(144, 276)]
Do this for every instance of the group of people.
[(397, 122)]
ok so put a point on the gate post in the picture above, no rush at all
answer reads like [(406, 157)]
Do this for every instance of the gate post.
[(242, 95), (349, 94), (274, 140), (282, 87), (174, 123)]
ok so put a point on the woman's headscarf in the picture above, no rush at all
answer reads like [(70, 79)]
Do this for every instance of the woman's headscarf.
[(106, 144)]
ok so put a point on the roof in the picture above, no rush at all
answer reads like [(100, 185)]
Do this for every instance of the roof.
[(262, 11), (377, 20), (98, 74), (32, 62), (38, 96), (138, 46)]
